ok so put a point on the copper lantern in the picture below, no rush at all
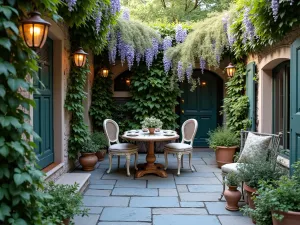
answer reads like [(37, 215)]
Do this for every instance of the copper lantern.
[(230, 70), (80, 57), (104, 72)]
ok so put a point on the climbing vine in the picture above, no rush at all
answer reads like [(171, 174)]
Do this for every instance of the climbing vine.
[(101, 106), (236, 104)]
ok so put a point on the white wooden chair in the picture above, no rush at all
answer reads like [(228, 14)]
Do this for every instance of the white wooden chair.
[(188, 130), (232, 167), (111, 130)]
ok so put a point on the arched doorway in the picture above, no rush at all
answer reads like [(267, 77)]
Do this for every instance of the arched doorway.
[(203, 104)]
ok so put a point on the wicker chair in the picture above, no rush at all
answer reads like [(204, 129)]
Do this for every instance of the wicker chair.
[(232, 167), (188, 130), (111, 130)]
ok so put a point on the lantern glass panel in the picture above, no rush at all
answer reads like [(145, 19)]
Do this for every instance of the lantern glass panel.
[(34, 35), (104, 72), (79, 59)]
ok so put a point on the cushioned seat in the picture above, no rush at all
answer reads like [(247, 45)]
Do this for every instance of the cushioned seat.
[(178, 146), (122, 147), (230, 167)]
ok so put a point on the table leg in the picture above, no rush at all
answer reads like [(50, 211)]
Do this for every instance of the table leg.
[(151, 167)]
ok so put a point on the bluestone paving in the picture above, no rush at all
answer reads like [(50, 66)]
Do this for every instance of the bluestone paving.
[(182, 188), (131, 183), (196, 180), (168, 192), (235, 220), (105, 201), (93, 181), (161, 183), (192, 204), (179, 211), (206, 168), (209, 161), (185, 220), (91, 219), (195, 174), (218, 208), (96, 192), (135, 192), (205, 188), (123, 223), (154, 202), (102, 186), (126, 214), (94, 210), (195, 197)]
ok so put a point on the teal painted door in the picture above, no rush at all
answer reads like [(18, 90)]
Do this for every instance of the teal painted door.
[(250, 92), (43, 112), (203, 104), (295, 103)]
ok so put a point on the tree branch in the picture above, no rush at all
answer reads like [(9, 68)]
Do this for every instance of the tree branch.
[(195, 6)]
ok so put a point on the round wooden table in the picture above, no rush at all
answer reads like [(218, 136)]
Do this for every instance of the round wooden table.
[(150, 167)]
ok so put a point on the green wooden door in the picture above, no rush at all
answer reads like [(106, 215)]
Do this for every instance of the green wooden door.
[(203, 104), (250, 92), (43, 112), (295, 102)]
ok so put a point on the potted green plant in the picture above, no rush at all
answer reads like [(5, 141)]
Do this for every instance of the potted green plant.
[(88, 158), (232, 195), (99, 139), (278, 201), (62, 204), (151, 123), (225, 143)]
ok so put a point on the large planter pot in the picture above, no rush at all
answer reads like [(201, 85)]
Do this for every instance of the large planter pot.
[(101, 154), (290, 218), (250, 193), (66, 221), (232, 196), (151, 130), (88, 161), (224, 155)]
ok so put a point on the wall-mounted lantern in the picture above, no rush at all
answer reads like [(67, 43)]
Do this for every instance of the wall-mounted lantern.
[(104, 72), (230, 70), (80, 57), (34, 30), (127, 82)]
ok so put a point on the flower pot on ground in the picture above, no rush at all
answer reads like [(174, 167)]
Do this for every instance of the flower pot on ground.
[(99, 139), (288, 218), (62, 203), (151, 123), (88, 158), (250, 194), (225, 143), (232, 195)]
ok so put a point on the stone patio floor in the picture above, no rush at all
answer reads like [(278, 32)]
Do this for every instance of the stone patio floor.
[(190, 199)]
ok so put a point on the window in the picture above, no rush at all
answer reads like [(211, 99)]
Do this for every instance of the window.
[(122, 82)]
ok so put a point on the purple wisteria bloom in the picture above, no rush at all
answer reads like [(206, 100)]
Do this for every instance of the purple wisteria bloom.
[(167, 63), (275, 9), (180, 71), (180, 34), (155, 47), (98, 21), (149, 56), (138, 57), (115, 6), (167, 43), (189, 71), (225, 22), (249, 28), (112, 54), (202, 64), (129, 56), (218, 58), (126, 14), (71, 4)]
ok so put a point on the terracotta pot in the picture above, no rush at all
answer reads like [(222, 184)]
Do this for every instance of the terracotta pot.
[(101, 155), (224, 155), (66, 221), (290, 218), (232, 196), (151, 130), (250, 193), (88, 161)]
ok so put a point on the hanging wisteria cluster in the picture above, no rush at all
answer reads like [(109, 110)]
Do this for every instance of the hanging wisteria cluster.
[(180, 71), (71, 4), (202, 64), (115, 6), (275, 8), (167, 43), (126, 14), (98, 21), (249, 28), (230, 36), (180, 33)]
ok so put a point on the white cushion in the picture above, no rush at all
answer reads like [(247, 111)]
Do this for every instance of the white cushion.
[(178, 146), (255, 146), (122, 147), (230, 167)]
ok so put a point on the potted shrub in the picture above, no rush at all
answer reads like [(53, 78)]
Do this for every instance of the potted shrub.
[(151, 123), (99, 139), (232, 195), (88, 158), (278, 201), (225, 143), (62, 204)]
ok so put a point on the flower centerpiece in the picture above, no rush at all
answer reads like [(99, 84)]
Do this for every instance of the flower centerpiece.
[(151, 123)]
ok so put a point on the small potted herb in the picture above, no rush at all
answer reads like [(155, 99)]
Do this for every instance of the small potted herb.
[(99, 139), (225, 143), (151, 123), (88, 158), (63, 203), (232, 195)]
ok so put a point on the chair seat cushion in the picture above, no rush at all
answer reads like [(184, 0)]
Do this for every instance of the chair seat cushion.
[(122, 147), (178, 146), (230, 167)]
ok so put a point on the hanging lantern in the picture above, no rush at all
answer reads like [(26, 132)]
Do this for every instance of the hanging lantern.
[(127, 82), (34, 30), (104, 72), (230, 70), (80, 57)]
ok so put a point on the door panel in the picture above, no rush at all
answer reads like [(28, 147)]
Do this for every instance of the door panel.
[(43, 112), (295, 103), (202, 104)]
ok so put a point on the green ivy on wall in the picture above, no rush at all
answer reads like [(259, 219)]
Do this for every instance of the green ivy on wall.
[(101, 106), (152, 95), (236, 103), (74, 104)]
